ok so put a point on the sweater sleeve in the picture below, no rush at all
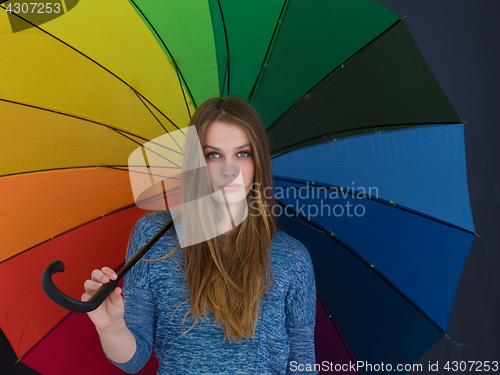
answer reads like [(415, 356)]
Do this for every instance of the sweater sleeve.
[(139, 302), (301, 316)]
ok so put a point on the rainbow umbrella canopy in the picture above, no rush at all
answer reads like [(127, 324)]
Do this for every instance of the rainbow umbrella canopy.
[(368, 160)]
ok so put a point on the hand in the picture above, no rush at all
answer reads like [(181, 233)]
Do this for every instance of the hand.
[(110, 313)]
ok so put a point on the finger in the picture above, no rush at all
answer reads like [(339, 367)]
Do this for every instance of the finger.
[(105, 275), (109, 272), (97, 275), (91, 286), (116, 296), (85, 297)]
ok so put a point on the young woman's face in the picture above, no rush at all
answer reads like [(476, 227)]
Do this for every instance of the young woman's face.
[(227, 146)]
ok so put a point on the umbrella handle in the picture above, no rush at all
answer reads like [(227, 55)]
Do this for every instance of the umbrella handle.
[(53, 292), (67, 302)]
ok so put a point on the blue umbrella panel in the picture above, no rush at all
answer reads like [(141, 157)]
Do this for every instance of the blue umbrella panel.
[(387, 220)]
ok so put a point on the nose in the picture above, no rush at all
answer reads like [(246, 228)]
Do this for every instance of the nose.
[(229, 170)]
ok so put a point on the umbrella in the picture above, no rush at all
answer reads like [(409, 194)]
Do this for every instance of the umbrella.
[(351, 109)]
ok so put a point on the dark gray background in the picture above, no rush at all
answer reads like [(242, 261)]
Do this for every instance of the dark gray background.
[(460, 41)]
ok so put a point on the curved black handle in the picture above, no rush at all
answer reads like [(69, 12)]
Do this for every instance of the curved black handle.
[(69, 303), (104, 291)]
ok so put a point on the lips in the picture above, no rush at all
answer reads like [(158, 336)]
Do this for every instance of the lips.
[(230, 187)]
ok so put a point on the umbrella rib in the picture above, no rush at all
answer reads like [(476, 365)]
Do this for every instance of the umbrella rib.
[(303, 97), (179, 74), (95, 62), (65, 168), (359, 194), (337, 329), (156, 118), (154, 152), (226, 70), (304, 143), (178, 71), (151, 141), (74, 116), (157, 197), (363, 260), (125, 169), (119, 131), (303, 224), (41, 339), (259, 75), (155, 107), (224, 80), (375, 322)]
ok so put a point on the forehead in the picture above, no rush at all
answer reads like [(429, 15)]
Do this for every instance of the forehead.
[(225, 134)]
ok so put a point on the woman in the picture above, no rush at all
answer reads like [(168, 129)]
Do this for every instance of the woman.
[(242, 302)]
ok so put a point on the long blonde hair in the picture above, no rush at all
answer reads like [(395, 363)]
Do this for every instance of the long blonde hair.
[(231, 283)]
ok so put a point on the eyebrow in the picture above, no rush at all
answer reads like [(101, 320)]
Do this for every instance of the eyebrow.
[(218, 149)]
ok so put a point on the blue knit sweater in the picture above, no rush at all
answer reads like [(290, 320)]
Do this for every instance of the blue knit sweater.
[(153, 290)]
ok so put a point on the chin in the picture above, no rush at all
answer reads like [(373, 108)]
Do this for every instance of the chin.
[(232, 197), (235, 197)]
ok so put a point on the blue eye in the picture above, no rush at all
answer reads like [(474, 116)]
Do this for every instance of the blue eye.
[(215, 155), (212, 155)]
